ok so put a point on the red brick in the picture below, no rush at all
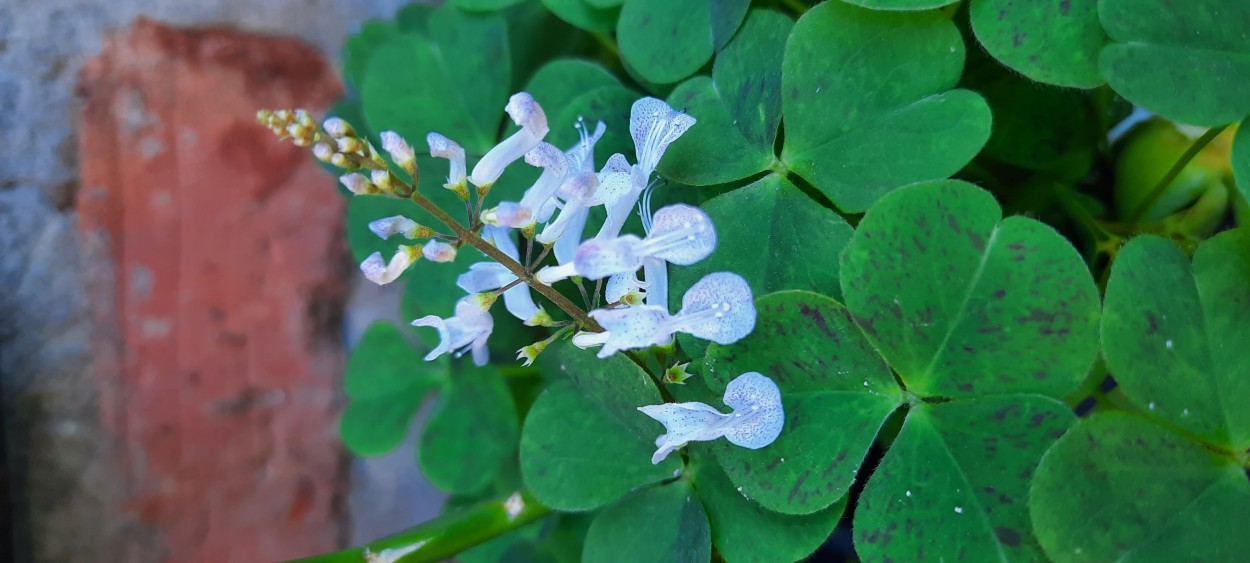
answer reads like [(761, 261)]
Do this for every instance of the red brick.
[(215, 343)]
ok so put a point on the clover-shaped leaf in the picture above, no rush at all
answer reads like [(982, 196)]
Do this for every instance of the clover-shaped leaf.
[(359, 48), (666, 41), (956, 479), (772, 235), (742, 530), (1118, 487), (577, 456), (1052, 42), (407, 81), (559, 82), (1026, 131), (385, 382), (990, 312), (836, 392), (963, 303), (868, 104), (1174, 334), (472, 432), (661, 523), (738, 108), (1186, 61), (482, 5)]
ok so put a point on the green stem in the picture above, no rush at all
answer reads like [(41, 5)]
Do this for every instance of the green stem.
[(1175, 171), (512, 265), (446, 535), (607, 43)]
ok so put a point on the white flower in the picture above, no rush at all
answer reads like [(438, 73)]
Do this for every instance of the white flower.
[(654, 125), (680, 234), (626, 329), (401, 152), (466, 331), (439, 251), (489, 276), (442, 147), (755, 422), (718, 307), (526, 212), (382, 272), (526, 113), (581, 190), (624, 180), (624, 288)]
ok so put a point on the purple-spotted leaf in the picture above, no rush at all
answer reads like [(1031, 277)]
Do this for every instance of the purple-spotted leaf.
[(1120, 488), (1052, 42), (662, 523), (835, 390), (1175, 334), (868, 102), (955, 482), (964, 303)]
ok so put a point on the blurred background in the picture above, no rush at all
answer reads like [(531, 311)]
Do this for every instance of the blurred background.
[(175, 295)]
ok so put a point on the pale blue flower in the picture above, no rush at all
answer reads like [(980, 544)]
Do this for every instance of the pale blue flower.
[(755, 422)]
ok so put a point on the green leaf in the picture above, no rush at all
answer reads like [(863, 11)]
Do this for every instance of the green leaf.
[(559, 82), (414, 18), (955, 482), (743, 530), (1175, 335), (1241, 158), (1036, 128), (609, 104), (472, 432), (1118, 488), (1186, 61), (663, 523), (583, 14), (666, 41), (359, 48), (901, 4), (483, 5), (775, 237), (605, 3), (868, 105), (963, 303), (385, 381), (410, 77), (577, 456), (738, 109), (835, 390), (1052, 42), (614, 384)]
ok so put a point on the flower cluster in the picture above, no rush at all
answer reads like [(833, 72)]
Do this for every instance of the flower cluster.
[(553, 213)]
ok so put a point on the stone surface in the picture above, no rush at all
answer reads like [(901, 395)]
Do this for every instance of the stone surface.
[(216, 280)]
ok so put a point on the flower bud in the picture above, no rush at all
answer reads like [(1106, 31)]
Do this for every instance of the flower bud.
[(439, 251), (400, 151), (357, 183), (338, 128)]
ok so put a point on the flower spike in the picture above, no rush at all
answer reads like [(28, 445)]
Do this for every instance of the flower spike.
[(755, 422), (489, 276)]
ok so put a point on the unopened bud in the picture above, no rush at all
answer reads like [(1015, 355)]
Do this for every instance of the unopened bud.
[(400, 151), (382, 179), (338, 128), (357, 183), (323, 151), (439, 251), (343, 160), (350, 145)]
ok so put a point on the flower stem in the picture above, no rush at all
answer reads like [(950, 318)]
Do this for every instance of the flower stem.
[(1175, 171), (446, 535), (472, 239)]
